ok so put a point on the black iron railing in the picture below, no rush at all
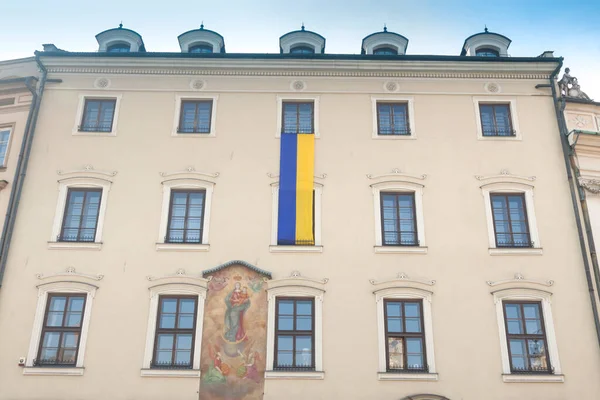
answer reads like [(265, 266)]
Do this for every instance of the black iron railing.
[(401, 242), (532, 370), (498, 132), (170, 365), (95, 128), (296, 243), (293, 368), (515, 243), (53, 362), (85, 238), (410, 369), (394, 131), (194, 129)]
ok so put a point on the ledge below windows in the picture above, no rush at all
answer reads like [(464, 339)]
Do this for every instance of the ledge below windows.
[(53, 371), (77, 132), (534, 378), (182, 247), (296, 249), (393, 376), (75, 245), (305, 375), (400, 249), (170, 373), (528, 251)]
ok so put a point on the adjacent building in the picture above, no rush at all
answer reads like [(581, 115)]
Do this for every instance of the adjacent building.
[(211, 225)]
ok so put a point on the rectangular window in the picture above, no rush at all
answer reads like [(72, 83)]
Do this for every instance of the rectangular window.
[(98, 115), (81, 215), (294, 334), (4, 138), (186, 216), (404, 336), (511, 227), (61, 331), (298, 117), (392, 119), (526, 336), (195, 116), (398, 219), (175, 332), (496, 120)]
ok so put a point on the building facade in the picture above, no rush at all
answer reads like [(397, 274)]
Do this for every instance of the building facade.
[(206, 225)]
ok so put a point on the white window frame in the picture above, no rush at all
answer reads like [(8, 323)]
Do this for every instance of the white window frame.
[(411, 116), (97, 96), (275, 248), (399, 186), (517, 188), (81, 182), (512, 102), (192, 184), (10, 129), (528, 294), (405, 293), (295, 286), (59, 287), (282, 99), (213, 115)]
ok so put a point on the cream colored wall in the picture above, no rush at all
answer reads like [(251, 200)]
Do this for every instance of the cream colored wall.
[(245, 150)]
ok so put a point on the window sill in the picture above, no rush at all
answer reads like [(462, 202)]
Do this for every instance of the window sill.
[(296, 249), (393, 376), (498, 251), (97, 134), (395, 137), (516, 138), (309, 375), (182, 247), (401, 249), (534, 378), (50, 371), (170, 373), (194, 135), (75, 245)]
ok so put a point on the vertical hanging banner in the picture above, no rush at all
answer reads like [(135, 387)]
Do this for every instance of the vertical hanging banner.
[(296, 178)]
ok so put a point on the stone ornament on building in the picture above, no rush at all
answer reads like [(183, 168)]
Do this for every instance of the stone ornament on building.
[(492, 87), (102, 83), (70, 272), (591, 186), (298, 86), (391, 87), (397, 174), (569, 87), (520, 278), (197, 84), (402, 277)]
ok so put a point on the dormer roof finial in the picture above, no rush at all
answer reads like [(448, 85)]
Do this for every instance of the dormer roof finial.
[(385, 27), (486, 29), (121, 25), (202, 25), (302, 25)]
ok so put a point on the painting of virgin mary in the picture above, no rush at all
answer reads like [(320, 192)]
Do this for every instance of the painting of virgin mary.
[(237, 302)]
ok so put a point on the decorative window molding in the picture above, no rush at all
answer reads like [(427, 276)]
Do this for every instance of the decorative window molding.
[(68, 282), (506, 182), (213, 116), (298, 97), (177, 284), (186, 179), (274, 247), (81, 107), (404, 287), (409, 100), (87, 177), (512, 102), (528, 290), (296, 286), (397, 181)]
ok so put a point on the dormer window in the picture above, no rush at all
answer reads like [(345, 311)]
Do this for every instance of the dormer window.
[(385, 51), (302, 42), (118, 48), (486, 44), (201, 48), (302, 50), (384, 43), (487, 52)]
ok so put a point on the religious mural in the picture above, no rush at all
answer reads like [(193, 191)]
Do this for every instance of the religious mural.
[(234, 336)]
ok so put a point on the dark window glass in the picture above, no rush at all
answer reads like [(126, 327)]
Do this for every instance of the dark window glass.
[(98, 115), (404, 336), (398, 219), (487, 52), (61, 331), (302, 50), (175, 331), (298, 117), (195, 116), (119, 48), (294, 334), (186, 216), (510, 220), (80, 219), (496, 120), (201, 48), (392, 119), (385, 51), (526, 336)]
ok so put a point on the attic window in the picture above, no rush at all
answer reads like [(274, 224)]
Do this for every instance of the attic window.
[(487, 52), (385, 51), (302, 50), (201, 48), (7, 102), (119, 48)]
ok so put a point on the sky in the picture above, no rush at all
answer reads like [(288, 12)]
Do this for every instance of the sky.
[(570, 28)]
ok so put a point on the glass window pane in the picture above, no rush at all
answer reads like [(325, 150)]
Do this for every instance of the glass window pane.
[(165, 341), (186, 322), (517, 346), (514, 327), (304, 307), (286, 307), (55, 318), (537, 355), (4, 136), (70, 339), (187, 306), (163, 357), (285, 323), (182, 357), (413, 325), (304, 323), (285, 342), (412, 310), (73, 319), (394, 309), (169, 305), (51, 339), (394, 325), (285, 358), (395, 353), (303, 351), (57, 303), (184, 342), (49, 354), (531, 311)]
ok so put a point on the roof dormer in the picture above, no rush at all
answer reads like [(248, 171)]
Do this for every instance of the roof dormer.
[(486, 44), (201, 41), (120, 40), (384, 43), (302, 42)]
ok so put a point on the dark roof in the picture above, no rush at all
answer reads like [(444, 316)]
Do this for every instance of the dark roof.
[(486, 32), (142, 47), (236, 262), (581, 101), (388, 32)]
